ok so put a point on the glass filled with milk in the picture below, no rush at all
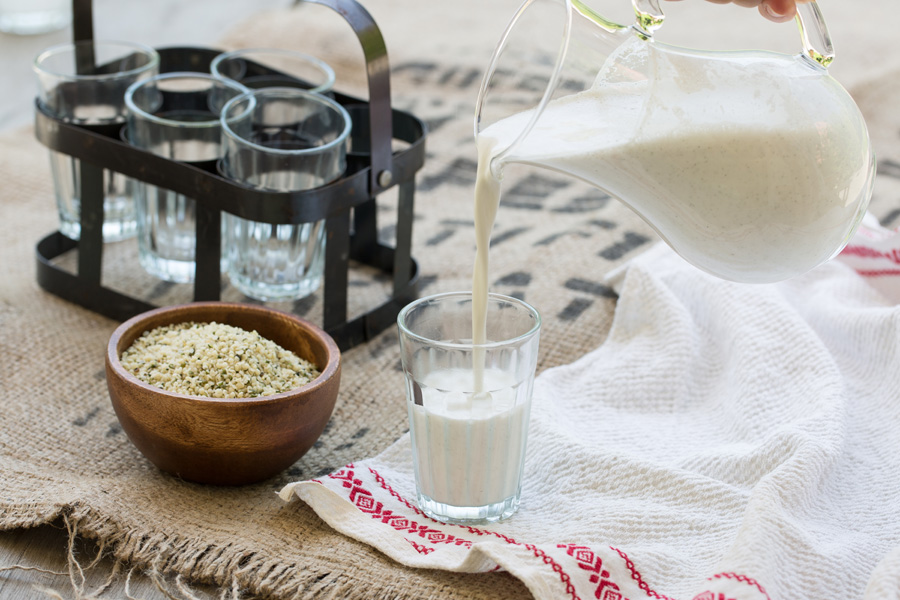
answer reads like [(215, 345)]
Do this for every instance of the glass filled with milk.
[(754, 166), (468, 403)]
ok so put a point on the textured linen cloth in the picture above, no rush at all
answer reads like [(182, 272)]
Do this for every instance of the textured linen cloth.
[(726, 441)]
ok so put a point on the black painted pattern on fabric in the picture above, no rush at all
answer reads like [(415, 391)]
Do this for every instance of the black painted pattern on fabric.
[(517, 278), (555, 236), (603, 224), (440, 237), (889, 168), (889, 218), (509, 234), (591, 287), (304, 305), (459, 172), (84, 420), (159, 290), (532, 191), (581, 204), (574, 309), (619, 249)]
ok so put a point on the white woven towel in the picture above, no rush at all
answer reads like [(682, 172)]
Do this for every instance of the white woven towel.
[(727, 441)]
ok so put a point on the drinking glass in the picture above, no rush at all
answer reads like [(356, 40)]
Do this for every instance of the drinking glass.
[(280, 139), (468, 443), (266, 67), (174, 115), (84, 83)]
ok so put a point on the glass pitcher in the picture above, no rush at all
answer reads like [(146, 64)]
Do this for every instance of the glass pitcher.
[(754, 166)]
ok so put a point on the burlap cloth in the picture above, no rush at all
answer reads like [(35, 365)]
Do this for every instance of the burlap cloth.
[(62, 452)]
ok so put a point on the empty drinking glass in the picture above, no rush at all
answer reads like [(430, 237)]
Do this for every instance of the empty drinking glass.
[(280, 139), (175, 115), (265, 67), (84, 83)]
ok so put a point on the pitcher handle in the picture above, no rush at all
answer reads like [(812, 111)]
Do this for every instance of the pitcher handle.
[(813, 31), (814, 34), (648, 16)]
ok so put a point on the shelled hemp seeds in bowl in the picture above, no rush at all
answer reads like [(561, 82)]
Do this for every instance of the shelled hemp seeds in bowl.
[(216, 361), (222, 393)]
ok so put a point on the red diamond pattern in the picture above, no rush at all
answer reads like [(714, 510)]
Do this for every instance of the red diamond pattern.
[(589, 561)]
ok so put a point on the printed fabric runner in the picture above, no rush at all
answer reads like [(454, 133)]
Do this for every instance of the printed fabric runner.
[(726, 442)]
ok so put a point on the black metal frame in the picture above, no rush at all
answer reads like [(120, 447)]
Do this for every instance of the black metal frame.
[(370, 172)]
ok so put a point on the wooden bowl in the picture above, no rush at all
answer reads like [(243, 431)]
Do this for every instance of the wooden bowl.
[(225, 441)]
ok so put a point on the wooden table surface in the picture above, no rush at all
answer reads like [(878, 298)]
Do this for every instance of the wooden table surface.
[(47, 548)]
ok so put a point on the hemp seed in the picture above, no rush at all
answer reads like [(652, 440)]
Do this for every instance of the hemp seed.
[(216, 361)]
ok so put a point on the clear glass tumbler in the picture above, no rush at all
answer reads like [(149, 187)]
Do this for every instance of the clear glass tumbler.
[(175, 115), (272, 67), (280, 139), (468, 444), (84, 83)]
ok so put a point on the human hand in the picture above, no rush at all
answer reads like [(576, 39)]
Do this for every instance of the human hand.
[(778, 11)]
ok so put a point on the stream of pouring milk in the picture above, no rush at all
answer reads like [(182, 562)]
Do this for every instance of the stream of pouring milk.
[(487, 201)]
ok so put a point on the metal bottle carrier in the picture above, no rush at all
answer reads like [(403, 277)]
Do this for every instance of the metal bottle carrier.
[(348, 204)]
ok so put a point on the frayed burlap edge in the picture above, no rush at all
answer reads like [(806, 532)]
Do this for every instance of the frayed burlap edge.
[(170, 561)]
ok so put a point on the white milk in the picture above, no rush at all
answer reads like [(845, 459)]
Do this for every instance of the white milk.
[(469, 448), (487, 200)]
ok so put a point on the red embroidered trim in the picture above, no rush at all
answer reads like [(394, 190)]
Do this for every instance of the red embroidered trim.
[(707, 595), (473, 530), (892, 255), (365, 501), (861, 251), (636, 575), (742, 579), (557, 568), (878, 272), (589, 561), (607, 589), (419, 547)]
